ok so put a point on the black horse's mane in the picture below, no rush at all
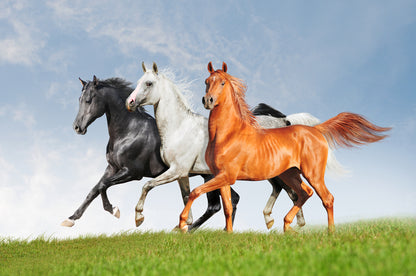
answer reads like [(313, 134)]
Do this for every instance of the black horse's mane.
[(123, 87), (264, 109), (117, 83)]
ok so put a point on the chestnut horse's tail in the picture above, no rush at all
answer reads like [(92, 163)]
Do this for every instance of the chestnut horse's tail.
[(349, 129)]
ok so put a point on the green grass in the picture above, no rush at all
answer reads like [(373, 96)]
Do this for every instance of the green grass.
[(381, 247)]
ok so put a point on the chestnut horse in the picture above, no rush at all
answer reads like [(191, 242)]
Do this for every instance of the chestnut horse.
[(239, 149)]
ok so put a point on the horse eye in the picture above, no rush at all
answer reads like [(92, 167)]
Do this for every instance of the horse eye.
[(223, 83), (149, 83)]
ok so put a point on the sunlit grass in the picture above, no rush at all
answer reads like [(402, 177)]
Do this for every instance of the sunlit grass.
[(381, 247)]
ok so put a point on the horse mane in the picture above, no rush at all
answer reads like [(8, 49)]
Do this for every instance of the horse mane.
[(239, 94), (264, 109), (123, 87), (180, 87)]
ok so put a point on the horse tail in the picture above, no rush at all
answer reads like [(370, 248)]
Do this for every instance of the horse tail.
[(349, 129)]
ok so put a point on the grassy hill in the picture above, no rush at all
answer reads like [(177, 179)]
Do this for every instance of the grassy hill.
[(380, 247)]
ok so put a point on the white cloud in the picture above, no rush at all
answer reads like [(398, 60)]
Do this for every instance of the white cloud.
[(21, 114), (23, 44)]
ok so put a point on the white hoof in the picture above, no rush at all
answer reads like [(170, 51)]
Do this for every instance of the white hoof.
[(68, 223), (184, 229), (270, 224), (139, 219), (116, 212)]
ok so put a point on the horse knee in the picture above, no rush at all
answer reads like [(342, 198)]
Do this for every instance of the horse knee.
[(214, 208), (328, 202)]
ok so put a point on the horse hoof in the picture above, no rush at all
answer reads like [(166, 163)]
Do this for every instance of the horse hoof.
[(139, 219), (301, 224), (68, 223), (116, 212), (184, 229), (270, 223)]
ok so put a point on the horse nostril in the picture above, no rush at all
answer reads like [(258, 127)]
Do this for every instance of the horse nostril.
[(203, 100), (211, 100), (131, 102)]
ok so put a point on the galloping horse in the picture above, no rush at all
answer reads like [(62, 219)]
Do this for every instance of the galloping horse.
[(239, 149), (133, 146), (184, 136)]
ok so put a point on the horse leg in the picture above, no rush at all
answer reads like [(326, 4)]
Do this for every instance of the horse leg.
[(217, 182), (235, 198), (228, 208), (270, 203), (121, 176), (294, 197), (185, 190), (95, 191), (292, 178), (166, 177), (327, 198), (214, 205)]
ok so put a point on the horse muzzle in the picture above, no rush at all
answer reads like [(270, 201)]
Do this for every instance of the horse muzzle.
[(208, 102), (131, 104), (79, 130)]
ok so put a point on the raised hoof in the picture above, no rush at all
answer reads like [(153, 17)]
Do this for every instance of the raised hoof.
[(270, 224), (68, 223), (139, 219), (116, 212)]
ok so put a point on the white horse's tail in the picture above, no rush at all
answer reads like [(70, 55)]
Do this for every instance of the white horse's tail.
[(307, 119)]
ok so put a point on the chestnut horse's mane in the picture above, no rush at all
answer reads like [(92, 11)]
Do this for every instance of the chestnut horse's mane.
[(239, 95)]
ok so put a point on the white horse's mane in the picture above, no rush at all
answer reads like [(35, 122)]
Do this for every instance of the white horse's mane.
[(182, 86)]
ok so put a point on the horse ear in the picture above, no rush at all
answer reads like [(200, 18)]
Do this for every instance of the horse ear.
[(210, 68), (82, 82), (95, 80), (144, 67), (155, 67), (224, 67)]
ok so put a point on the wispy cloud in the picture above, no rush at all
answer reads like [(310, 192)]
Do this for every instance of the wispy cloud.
[(22, 41)]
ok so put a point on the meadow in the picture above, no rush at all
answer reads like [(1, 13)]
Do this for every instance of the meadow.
[(379, 247)]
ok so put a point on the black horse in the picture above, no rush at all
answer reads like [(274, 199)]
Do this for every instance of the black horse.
[(133, 150)]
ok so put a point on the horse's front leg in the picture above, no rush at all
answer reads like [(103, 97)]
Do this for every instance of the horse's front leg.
[(170, 175), (109, 178), (185, 191), (217, 182)]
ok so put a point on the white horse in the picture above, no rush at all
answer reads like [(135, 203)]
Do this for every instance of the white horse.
[(184, 135)]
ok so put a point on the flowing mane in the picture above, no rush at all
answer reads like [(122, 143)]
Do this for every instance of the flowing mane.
[(122, 86), (239, 94)]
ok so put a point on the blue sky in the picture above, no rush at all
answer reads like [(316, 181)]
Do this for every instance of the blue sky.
[(320, 57)]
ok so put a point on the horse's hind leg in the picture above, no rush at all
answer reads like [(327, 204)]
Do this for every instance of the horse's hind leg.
[(327, 198), (294, 197), (292, 178), (185, 190), (277, 188)]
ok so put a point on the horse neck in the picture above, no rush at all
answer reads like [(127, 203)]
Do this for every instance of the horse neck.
[(224, 119), (170, 111), (116, 113)]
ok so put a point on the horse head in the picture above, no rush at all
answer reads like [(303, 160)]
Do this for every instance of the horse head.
[(90, 106), (215, 84), (147, 89)]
